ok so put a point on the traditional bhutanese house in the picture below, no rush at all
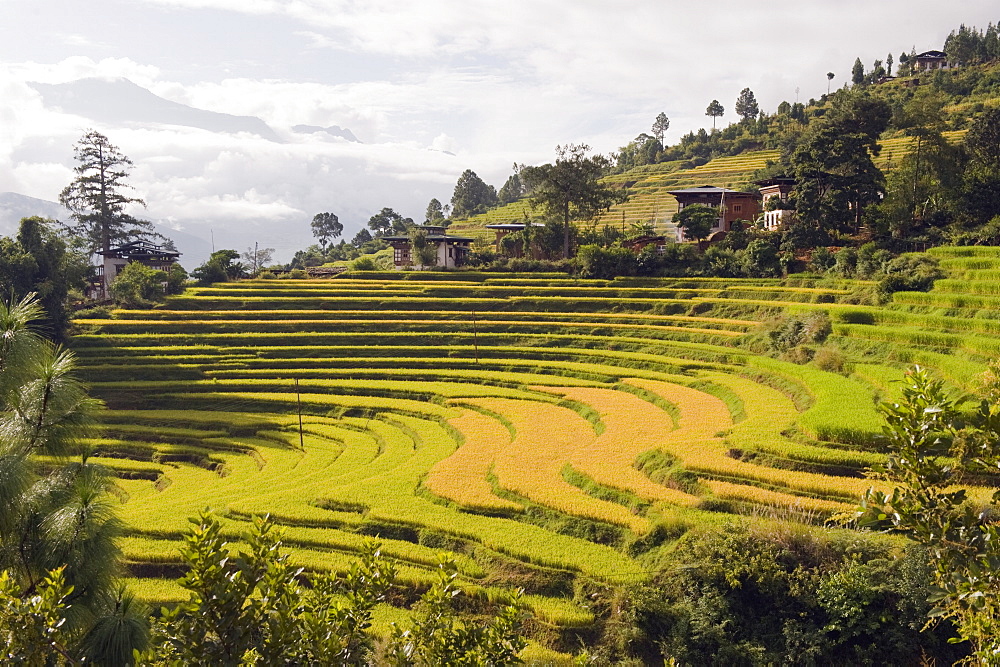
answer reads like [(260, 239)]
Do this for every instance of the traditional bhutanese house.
[(770, 188), (505, 229), (732, 204), (115, 259), (930, 60), (451, 250)]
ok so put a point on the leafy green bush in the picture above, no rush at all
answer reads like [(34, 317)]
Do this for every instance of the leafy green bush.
[(138, 286), (910, 273)]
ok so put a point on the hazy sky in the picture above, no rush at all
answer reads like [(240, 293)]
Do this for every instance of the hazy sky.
[(492, 83)]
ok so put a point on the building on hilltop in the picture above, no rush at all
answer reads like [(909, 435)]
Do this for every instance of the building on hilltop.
[(451, 251), (115, 259), (929, 61), (733, 205), (776, 213)]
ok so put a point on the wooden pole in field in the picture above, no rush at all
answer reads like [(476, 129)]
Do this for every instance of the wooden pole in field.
[(298, 402), (475, 335)]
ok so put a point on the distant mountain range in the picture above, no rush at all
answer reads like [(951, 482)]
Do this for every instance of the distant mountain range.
[(119, 101), (333, 130), (122, 102), (194, 249)]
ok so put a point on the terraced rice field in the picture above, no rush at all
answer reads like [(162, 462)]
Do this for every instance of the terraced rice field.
[(541, 429)]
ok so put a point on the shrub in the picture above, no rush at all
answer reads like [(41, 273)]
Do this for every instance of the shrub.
[(138, 286), (910, 273), (363, 264), (266, 275), (829, 358), (822, 260)]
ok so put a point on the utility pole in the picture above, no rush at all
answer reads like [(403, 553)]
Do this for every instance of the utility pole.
[(298, 402), (255, 259)]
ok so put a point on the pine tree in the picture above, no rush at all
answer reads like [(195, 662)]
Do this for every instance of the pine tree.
[(858, 73), (98, 196)]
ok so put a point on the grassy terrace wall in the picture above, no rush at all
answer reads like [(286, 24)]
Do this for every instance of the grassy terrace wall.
[(543, 430)]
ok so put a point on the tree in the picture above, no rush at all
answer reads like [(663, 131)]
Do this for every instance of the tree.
[(325, 227), (387, 222), (829, 79), (440, 637), (835, 175), (571, 187), (921, 189), (425, 253), (858, 73), (715, 110), (660, 126), (251, 607), (38, 261), (746, 105), (513, 188), (362, 237), (219, 268), (138, 286), (257, 258), (434, 214), (980, 190), (930, 447), (696, 220), (888, 64), (472, 195), (57, 523), (98, 196)]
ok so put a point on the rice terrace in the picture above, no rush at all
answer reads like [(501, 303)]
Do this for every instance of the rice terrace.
[(724, 394), (545, 431)]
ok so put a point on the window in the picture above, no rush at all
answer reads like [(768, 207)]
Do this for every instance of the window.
[(737, 208), (401, 256)]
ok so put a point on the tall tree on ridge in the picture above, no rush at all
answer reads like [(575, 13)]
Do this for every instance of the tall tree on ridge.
[(472, 195), (829, 78), (98, 196), (715, 110), (326, 227), (660, 126), (746, 105), (858, 73)]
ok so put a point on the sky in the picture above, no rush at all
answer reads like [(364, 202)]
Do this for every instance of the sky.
[(429, 87)]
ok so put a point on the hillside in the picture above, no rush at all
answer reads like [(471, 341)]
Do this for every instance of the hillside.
[(722, 160), (542, 430)]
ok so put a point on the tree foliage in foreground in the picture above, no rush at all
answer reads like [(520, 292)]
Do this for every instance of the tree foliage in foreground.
[(249, 605), (59, 559), (932, 448)]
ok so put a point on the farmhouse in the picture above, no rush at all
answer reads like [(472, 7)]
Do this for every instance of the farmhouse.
[(451, 251), (771, 188), (733, 205), (115, 259), (930, 60), (505, 229)]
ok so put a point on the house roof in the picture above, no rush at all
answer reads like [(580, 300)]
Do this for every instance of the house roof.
[(431, 237), (931, 55), (711, 190), (779, 180), (140, 249), (701, 189), (510, 225)]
